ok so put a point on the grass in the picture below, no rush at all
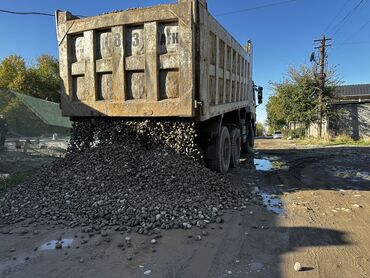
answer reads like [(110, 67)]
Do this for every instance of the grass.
[(14, 179), (339, 140)]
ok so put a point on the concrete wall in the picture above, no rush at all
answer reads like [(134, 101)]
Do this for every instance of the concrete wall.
[(313, 130), (355, 120)]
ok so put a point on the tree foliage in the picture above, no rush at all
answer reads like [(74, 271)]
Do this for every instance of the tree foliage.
[(297, 98), (260, 129), (39, 80), (13, 73)]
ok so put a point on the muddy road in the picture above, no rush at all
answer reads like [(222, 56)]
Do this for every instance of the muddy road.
[(308, 205)]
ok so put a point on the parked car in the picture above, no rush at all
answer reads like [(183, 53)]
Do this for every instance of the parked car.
[(277, 135)]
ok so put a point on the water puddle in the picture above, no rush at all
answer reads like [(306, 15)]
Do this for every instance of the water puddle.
[(262, 164), (269, 164), (272, 202), (353, 175), (52, 245), (356, 178)]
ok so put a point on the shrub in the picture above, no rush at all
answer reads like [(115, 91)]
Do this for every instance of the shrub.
[(298, 133)]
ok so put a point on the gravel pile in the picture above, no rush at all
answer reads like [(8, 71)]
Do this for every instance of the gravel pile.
[(123, 180), (179, 136)]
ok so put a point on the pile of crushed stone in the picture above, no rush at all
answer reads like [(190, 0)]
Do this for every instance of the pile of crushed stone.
[(122, 184)]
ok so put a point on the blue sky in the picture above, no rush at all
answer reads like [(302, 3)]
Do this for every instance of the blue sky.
[(283, 35)]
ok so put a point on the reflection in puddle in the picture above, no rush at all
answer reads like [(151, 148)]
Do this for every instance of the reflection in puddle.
[(51, 245), (351, 174), (272, 203), (269, 163), (265, 163)]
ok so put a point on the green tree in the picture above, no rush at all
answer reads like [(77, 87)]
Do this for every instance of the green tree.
[(260, 129), (40, 80), (297, 98), (277, 107), (43, 78), (13, 73)]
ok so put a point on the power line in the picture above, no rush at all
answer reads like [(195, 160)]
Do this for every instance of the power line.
[(347, 17), (357, 31), (336, 16), (26, 13), (218, 15), (256, 8), (31, 13)]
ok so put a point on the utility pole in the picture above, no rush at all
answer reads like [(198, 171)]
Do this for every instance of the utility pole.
[(322, 76)]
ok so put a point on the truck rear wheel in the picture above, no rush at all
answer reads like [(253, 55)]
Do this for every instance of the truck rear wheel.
[(235, 147), (251, 136), (221, 161), (247, 147)]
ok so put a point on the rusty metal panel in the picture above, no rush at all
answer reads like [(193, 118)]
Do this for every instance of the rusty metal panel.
[(134, 63), (142, 63), (226, 85)]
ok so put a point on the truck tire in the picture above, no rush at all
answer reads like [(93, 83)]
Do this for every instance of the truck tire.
[(247, 147), (221, 161), (251, 136), (235, 147)]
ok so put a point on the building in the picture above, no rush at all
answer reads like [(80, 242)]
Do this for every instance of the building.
[(352, 104), (32, 117)]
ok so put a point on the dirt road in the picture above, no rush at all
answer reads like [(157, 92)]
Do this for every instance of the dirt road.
[(309, 205), (326, 197)]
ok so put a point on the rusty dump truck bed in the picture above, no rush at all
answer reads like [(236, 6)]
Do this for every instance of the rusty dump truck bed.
[(171, 60)]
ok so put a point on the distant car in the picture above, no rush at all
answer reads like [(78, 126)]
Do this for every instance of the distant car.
[(277, 135)]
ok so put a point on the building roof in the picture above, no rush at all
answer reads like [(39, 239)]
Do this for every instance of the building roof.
[(49, 112), (358, 90)]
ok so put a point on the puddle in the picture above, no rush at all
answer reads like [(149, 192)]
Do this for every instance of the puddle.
[(269, 163), (263, 164), (351, 174), (50, 245), (272, 203)]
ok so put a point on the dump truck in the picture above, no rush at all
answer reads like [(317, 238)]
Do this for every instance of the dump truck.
[(168, 61)]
